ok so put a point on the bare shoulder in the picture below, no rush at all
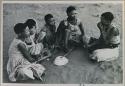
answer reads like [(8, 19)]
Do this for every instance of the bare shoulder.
[(114, 30), (64, 22), (79, 21)]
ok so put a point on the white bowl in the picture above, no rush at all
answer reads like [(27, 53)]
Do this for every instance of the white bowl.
[(60, 61)]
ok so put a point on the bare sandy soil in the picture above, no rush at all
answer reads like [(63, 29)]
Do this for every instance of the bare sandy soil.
[(79, 69)]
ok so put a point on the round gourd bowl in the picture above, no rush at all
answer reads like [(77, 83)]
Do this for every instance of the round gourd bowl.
[(60, 61)]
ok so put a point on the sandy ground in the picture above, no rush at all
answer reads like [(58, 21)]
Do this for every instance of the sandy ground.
[(79, 69)]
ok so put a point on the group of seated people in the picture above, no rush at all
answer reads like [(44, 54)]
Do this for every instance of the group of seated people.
[(31, 45)]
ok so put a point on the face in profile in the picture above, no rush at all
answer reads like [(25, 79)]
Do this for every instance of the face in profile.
[(26, 33), (51, 21), (105, 22), (33, 30), (73, 14)]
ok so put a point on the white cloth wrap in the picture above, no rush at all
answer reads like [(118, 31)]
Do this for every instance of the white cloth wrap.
[(105, 54)]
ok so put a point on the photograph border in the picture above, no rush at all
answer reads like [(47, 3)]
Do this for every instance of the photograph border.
[(59, 2)]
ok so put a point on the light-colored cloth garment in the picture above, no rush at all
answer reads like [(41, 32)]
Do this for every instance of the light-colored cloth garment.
[(105, 54), (34, 49), (17, 64)]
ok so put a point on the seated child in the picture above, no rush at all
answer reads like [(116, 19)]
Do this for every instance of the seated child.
[(70, 30), (50, 30), (35, 47), (21, 65), (108, 41)]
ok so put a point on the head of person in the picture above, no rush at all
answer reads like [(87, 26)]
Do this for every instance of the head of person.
[(31, 23), (49, 19), (21, 30), (72, 12), (107, 18)]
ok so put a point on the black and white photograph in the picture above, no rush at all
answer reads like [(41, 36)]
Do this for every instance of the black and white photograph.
[(63, 42)]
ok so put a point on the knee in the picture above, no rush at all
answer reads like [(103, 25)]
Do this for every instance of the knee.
[(25, 73)]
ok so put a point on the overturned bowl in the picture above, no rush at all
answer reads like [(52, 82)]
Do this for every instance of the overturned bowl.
[(60, 61)]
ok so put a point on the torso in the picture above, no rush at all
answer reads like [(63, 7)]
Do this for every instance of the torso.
[(75, 32), (107, 36), (50, 33)]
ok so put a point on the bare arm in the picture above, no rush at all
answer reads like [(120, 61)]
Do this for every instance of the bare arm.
[(60, 28), (41, 35), (25, 53), (60, 34), (100, 38), (81, 28), (99, 26), (67, 37)]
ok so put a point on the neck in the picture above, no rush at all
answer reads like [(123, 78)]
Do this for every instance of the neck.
[(72, 21)]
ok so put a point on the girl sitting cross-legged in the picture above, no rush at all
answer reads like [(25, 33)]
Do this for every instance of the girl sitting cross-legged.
[(21, 65)]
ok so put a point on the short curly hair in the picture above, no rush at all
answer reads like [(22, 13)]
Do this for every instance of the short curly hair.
[(108, 16), (70, 9), (30, 23), (19, 28), (48, 16)]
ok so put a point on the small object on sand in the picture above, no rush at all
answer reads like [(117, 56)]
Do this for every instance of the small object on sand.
[(60, 61)]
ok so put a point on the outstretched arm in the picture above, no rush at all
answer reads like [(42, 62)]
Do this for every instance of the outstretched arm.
[(96, 41)]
